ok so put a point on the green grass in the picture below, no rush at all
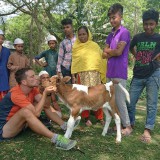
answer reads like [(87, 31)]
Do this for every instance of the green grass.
[(30, 146)]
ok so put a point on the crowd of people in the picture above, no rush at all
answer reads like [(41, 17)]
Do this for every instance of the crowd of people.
[(22, 99)]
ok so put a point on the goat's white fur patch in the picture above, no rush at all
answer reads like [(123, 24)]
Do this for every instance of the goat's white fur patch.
[(125, 91), (70, 126), (80, 87), (107, 85), (106, 105), (118, 125)]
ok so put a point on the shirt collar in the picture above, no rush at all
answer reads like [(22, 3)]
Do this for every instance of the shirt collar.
[(74, 36), (114, 33)]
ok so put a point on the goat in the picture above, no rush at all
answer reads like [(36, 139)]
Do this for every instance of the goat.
[(79, 97)]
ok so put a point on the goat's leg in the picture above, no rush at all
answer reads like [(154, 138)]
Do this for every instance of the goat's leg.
[(70, 127), (107, 122), (118, 125), (77, 121)]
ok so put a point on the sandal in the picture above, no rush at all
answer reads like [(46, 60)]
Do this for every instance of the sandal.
[(145, 139), (127, 131), (146, 136)]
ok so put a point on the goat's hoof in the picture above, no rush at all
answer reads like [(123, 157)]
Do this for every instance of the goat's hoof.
[(67, 136), (118, 141), (103, 134)]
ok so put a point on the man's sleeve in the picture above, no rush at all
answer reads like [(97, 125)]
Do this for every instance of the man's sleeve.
[(36, 91), (108, 39), (60, 57), (125, 36), (39, 56), (20, 100), (133, 43)]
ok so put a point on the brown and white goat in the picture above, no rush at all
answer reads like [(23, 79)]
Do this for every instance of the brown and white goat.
[(79, 97)]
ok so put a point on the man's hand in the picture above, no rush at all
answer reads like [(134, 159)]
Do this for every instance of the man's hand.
[(14, 67), (50, 89), (44, 64), (106, 55), (59, 74), (73, 79)]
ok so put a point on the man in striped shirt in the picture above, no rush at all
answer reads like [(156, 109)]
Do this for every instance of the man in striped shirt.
[(65, 49)]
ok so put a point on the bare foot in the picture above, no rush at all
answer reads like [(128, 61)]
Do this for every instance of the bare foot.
[(127, 131), (146, 136)]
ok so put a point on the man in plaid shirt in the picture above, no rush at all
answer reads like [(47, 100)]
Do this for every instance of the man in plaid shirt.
[(65, 49)]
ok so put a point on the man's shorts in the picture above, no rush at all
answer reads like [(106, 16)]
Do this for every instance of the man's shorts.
[(1, 132)]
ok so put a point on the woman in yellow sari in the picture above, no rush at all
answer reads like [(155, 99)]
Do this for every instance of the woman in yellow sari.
[(88, 67)]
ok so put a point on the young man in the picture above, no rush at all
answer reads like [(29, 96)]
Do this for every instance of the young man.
[(17, 60), (65, 49), (17, 110), (146, 72), (116, 51), (51, 56), (4, 74)]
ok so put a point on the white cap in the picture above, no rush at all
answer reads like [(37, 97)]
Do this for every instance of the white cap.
[(51, 38), (42, 72), (18, 41), (8, 44), (1, 32)]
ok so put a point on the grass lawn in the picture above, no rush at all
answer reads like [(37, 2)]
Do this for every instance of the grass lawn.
[(29, 146)]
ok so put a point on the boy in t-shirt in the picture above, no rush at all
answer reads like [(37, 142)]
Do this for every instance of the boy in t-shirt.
[(146, 73), (116, 51)]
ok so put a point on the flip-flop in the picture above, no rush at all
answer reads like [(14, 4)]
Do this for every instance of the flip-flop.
[(145, 139), (126, 133)]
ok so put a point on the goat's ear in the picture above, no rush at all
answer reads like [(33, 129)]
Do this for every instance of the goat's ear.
[(53, 78), (66, 79)]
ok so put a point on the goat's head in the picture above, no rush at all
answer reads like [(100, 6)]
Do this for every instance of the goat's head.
[(49, 82), (60, 80), (56, 80)]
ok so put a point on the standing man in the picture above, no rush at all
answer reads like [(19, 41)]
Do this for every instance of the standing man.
[(17, 110), (116, 51), (4, 74), (145, 47), (65, 49)]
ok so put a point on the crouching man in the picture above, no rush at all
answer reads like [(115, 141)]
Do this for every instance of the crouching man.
[(17, 110)]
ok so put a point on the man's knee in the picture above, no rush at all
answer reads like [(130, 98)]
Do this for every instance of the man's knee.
[(25, 112)]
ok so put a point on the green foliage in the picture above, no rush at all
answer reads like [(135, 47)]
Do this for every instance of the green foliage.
[(42, 17), (19, 27), (37, 68), (16, 28)]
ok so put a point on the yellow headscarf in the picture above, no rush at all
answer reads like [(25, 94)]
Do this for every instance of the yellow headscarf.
[(88, 57)]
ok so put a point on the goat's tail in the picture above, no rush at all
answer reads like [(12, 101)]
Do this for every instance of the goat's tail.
[(125, 91)]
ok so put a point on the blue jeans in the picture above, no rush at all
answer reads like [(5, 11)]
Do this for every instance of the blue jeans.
[(152, 85)]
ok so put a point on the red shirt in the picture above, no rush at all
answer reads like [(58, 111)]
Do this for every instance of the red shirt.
[(18, 99)]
